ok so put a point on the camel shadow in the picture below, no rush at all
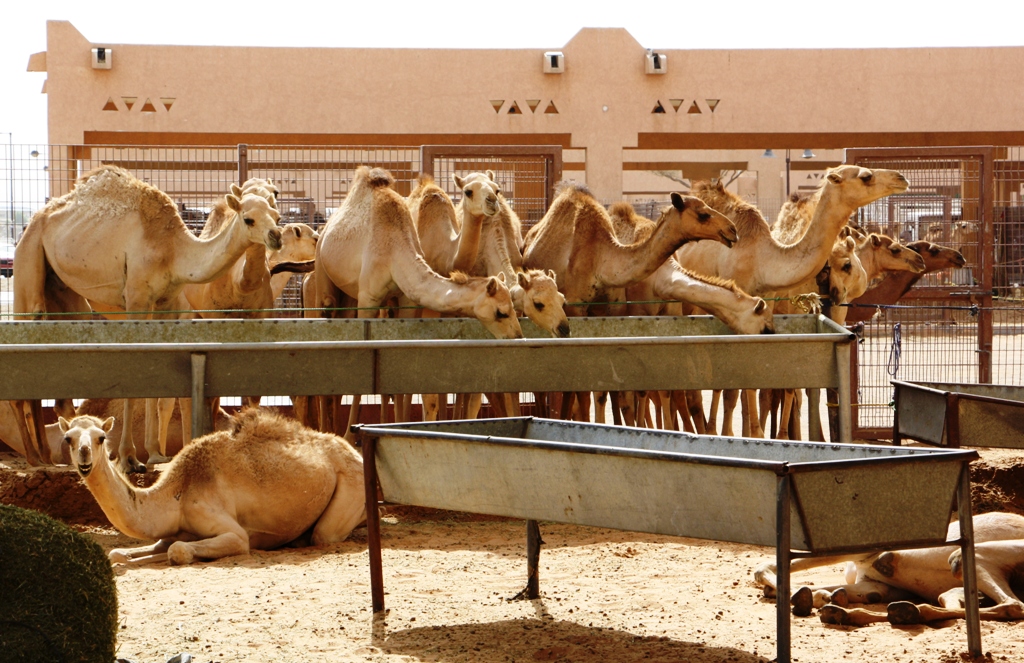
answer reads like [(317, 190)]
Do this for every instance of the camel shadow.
[(543, 638)]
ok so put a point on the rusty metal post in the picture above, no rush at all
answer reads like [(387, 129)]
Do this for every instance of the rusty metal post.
[(243, 163), (369, 445), (782, 558), (533, 542), (969, 568)]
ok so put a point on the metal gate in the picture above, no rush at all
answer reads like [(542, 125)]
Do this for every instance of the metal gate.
[(942, 329)]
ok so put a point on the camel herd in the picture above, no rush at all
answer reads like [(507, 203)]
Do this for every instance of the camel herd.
[(116, 246)]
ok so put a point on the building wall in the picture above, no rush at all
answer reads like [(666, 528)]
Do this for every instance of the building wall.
[(742, 101)]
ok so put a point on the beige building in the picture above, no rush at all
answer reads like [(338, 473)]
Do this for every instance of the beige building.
[(630, 122)]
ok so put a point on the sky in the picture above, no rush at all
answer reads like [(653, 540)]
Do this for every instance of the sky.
[(547, 24)]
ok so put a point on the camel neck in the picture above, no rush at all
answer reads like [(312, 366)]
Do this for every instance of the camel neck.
[(804, 258), (674, 284), (255, 270), (469, 243), (204, 260), (137, 513), (426, 287), (638, 260)]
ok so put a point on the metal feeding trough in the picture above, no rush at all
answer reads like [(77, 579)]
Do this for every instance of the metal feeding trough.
[(956, 415), (298, 357), (804, 498)]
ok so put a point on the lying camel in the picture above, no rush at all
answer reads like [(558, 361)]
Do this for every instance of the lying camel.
[(260, 485), (934, 574)]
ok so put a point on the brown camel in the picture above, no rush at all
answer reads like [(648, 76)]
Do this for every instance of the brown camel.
[(261, 485), (894, 285), (120, 242)]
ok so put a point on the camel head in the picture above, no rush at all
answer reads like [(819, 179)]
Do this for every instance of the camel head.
[(298, 243), (843, 274), (698, 220), (259, 217), (265, 188), (491, 304), (937, 257), (85, 437), (893, 256), (480, 193), (857, 186), (536, 294)]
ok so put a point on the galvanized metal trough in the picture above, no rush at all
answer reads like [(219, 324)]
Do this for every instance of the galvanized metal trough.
[(804, 498), (955, 415), (296, 357)]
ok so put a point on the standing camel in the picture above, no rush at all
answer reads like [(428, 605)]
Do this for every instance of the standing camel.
[(120, 242)]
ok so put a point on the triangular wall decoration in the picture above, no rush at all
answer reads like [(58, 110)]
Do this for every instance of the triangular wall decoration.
[(497, 103), (129, 101), (658, 108), (533, 103), (676, 103), (148, 107), (712, 103), (110, 105), (514, 109), (694, 108), (551, 110), (167, 102)]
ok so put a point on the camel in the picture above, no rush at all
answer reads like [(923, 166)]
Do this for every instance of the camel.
[(298, 244), (260, 485), (120, 242), (576, 241), (933, 574), (763, 265), (894, 285)]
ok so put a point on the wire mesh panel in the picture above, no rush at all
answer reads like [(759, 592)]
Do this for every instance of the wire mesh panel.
[(1008, 276)]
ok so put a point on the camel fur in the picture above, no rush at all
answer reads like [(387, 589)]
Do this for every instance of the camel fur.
[(261, 485)]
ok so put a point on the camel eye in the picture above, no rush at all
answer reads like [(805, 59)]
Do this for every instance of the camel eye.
[(866, 178), (497, 191), (539, 306), (847, 267), (895, 251), (249, 222), (703, 217), (499, 315), (103, 438), (468, 192), (67, 440)]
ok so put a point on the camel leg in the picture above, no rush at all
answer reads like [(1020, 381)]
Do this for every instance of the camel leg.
[(600, 403), (764, 399), (140, 554), (785, 413), (565, 412), (716, 399), (300, 406), (27, 430), (750, 398), (64, 407), (353, 417), (127, 462), (695, 405), (185, 408), (431, 406), (729, 399), (473, 404), (497, 402), (540, 404), (794, 417), (627, 407), (834, 614), (234, 542), (677, 409), (512, 404), (814, 420), (345, 511), (583, 406), (156, 445)]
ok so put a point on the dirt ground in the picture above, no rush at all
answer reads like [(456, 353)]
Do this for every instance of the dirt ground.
[(605, 595)]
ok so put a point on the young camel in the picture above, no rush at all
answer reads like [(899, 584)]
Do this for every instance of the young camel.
[(120, 242), (894, 285), (933, 574), (260, 485), (763, 266)]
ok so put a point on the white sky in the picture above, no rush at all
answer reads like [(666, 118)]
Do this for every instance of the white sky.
[(670, 24)]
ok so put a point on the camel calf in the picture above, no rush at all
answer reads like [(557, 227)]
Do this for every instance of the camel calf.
[(934, 574)]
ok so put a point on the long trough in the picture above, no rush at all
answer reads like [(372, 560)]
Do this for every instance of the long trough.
[(955, 415), (803, 498), (296, 357)]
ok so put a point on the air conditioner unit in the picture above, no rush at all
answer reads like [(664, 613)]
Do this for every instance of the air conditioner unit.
[(102, 57), (554, 62), (657, 63)]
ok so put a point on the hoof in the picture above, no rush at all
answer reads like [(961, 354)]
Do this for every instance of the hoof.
[(803, 602), (118, 557), (904, 612), (131, 465), (180, 554), (156, 459), (840, 598), (769, 592), (833, 614), (885, 564)]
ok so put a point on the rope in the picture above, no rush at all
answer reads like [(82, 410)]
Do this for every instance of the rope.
[(895, 350)]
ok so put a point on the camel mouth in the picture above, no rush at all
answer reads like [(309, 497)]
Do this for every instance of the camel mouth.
[(728, 241), (768, 330), (563, 330), (85, 469)]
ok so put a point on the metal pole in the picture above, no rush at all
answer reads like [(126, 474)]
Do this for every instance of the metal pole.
[(969, 568), (845, 408), (10, 179), (532, 559), (372, 521), (786, 197), (198, 395), (782, 556)]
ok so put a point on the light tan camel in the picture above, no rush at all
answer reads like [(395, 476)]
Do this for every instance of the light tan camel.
[(575, 239), (932, 574), (260, 485), (448, 243), (120, 242), (896, 284), (298, 244)]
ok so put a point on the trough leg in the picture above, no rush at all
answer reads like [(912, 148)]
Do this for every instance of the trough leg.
[(369, 445), (782, 557), (533, 543), (970, 569), (199, 424)]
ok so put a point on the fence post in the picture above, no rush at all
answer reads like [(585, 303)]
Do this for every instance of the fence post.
[(243, 163)]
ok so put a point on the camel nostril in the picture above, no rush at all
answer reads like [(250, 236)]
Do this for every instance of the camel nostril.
[(563, 330)]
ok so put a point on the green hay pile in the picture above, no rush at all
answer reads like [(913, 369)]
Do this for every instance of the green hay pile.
[(58, 600)]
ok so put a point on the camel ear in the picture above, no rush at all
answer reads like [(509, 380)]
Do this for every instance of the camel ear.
[(551, 273), (823, 276), (490, 176), (875, 240), (759, 306), (492, 286), (459, 182), (107, 425), (63, 424), (236, 190), (835, 178), (851, 243), (234, 202), (501, 276), (678, 202), (523, 280)]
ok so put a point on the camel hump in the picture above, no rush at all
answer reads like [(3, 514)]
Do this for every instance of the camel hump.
[(378, 177), (622, 208), (573, 188)]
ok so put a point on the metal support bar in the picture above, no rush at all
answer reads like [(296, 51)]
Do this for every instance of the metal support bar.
[(845, 404), (970, 569), (199, 424), (782, 557), (243, 163), (532, 559), (369, 445), (813, 410)]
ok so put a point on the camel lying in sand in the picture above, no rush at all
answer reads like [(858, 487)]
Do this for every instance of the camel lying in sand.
[(934, 574), (260, 485)]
